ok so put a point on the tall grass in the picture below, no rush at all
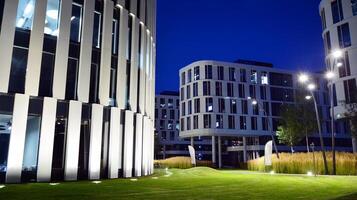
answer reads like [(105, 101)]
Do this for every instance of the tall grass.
[(301, 163), (180, 163)]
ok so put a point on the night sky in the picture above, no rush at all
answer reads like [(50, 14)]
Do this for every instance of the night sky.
[(284, 32)]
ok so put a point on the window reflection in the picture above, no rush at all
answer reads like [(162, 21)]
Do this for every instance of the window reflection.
[(52, 16), (25, 12), (76, 22)]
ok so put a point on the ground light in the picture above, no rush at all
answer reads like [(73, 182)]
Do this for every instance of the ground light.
[(96, 182), (272, 172), (134, 179), (54, 183), (2, 186), (309, 173)]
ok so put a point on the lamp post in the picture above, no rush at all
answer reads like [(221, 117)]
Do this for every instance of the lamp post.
[(255, 103), (330, 75), (304, 79)]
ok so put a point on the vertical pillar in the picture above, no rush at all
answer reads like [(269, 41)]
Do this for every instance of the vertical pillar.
[(128, 144), (244, 149), (17, 139), (213, 150), (219, 152), (46, 140), (7, 36), (114, 143), (192, 144)]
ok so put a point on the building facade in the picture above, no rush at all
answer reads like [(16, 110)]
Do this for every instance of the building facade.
[(216, 100), (339, 24), (168, 143), (76, 89)]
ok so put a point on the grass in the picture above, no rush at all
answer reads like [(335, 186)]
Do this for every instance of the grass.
[(301, 163), (195, 183)]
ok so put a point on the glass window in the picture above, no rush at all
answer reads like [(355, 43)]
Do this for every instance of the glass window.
[(233, 106), (252, 91), (188, 92), (221, 105), (323, 19), (207, 121), (243, 75), (208, 71), (189, 106), (52, 17), (163, 113), (243, 122), (5, 132), (182, 124), (232, 74), (337, 13), (113, 86), (264, 123), (327, 42), (195, 89), (220, 72), (94, 78), (219, 121), (183, 78), (350, 88), (71, 84), (189, 76), (230, 90), (18, 70), (244, 107), (1, 12), (241, 90), (254, 123), (47, 67), (209, 104), (231, 122), (206, 88), (254, 77), (97, 29), (264, 78), (344, 36), (170, 125), (345, 70), (197, 105), (172, 136), (280, 79), (182, 94), (255, 109), (183, 108), (163, 135), (263, 92), (170, 103), (76, 22), (266, 108), (218, 89), (172, 114), (280, 94), (162, 103), (188, 123), (25, 12), (354, 7), (196, 73), (195, 122), (115, 31)]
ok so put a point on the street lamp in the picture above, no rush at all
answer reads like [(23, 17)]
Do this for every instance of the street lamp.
[(255, 103), (330, 75), (303, 78)]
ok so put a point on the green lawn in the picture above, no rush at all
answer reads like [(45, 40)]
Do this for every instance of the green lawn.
[(197, 183)]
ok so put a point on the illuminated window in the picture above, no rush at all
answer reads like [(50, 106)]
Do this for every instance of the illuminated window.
[(25, 12), (264, 78), (52, 17)]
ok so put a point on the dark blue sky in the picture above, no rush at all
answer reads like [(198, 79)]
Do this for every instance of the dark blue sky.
[(284, 32)]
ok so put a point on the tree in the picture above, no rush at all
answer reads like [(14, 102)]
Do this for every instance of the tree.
[(289, 132), (351, 116)]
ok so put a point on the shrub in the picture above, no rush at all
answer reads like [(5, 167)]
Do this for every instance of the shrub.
[(301, 163), (180, 163)]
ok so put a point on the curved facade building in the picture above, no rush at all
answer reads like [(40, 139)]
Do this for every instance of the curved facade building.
[(339, 24), (237, 105), (76, 89)]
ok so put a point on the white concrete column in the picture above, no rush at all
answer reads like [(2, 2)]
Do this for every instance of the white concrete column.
[(106, 53), (138, 144), (121, 72), (47, 135), (7, 36), (62, 48), (145, 150), (244, 149), (17, 139), (128, 144), (219, 152), (114, 143), (34, 61), (72, 140), (85, 55), (213, 150), (95, 146), (133, 92)]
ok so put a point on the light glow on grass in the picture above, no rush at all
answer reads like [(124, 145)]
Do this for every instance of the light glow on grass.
[(2, 186), (309, 173), (272, 172), (96, 182), (54, 183), (134, 179), (155, 178)]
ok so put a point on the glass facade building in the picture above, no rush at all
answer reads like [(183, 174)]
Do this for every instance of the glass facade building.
[(74, 104)]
